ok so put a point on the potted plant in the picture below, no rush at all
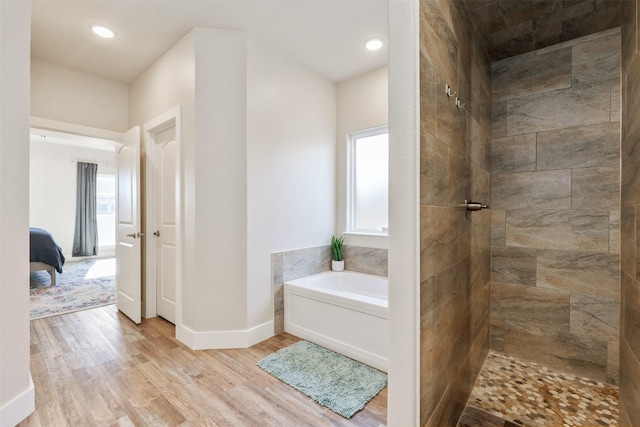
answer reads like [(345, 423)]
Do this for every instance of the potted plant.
[(337, 264)]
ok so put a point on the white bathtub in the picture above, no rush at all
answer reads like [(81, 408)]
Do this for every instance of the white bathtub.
[(343, 311)]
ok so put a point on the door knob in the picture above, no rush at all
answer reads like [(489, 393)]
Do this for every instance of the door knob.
[(156, 233), (135, 235)]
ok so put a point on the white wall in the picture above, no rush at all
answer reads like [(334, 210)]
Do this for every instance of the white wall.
[(214, 173), (404, 205), (220, 238), (290, 165), (363, 103), (63, 94), (52, 187), (17, 399), (259, 171)]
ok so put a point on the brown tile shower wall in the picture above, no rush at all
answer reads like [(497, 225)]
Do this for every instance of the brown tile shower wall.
[(291, 265), (630, 218), (454, 244), (514, 27), (555, 193)]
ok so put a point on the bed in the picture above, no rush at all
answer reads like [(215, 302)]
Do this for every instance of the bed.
[(45, 254)]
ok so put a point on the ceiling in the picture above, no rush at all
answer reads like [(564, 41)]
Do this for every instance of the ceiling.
[(513, 27), (324, 35)]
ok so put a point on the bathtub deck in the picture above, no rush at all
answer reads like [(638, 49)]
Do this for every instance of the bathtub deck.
[(97, 368)]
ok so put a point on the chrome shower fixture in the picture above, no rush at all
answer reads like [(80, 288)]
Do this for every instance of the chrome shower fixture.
[(474, 206)]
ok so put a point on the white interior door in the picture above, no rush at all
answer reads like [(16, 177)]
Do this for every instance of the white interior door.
[(166, 155), (163, 268), (128, 235)]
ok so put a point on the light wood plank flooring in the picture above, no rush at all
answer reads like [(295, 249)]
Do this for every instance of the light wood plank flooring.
[(97, 368)]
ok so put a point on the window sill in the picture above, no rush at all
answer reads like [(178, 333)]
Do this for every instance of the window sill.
[(356, 233)]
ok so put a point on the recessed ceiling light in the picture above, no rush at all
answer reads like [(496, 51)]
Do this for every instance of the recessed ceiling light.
[(103, 31), (374, 43)]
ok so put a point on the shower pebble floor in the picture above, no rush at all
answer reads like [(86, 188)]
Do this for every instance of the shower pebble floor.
[(527, 394)]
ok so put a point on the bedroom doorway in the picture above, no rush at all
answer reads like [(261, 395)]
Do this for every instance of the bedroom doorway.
[(53, 159), (56, 149), (163, 143)]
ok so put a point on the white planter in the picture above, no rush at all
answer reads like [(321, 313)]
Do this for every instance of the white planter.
[(337, 265)]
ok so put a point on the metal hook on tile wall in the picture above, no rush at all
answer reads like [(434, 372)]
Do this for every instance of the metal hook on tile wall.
[(449, 91), (459, 103)]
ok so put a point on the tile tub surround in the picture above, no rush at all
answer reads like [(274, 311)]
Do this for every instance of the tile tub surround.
[(455, 162), (516, 392), (556, 219), (294, 264), (630, 217)]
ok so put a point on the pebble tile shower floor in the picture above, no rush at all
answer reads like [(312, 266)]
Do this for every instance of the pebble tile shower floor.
[(512, 392)]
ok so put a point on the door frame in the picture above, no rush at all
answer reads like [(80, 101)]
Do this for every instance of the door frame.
[(151, 129), (74, 129)]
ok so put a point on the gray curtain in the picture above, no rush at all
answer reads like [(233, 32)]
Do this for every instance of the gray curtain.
[(85, 240)]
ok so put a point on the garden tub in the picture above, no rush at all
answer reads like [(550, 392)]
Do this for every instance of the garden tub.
[(345, 311)]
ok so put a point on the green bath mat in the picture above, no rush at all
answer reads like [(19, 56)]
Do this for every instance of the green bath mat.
[(335, 381)]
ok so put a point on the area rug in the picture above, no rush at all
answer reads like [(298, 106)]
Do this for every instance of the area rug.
[(82, 285), (335, 381)]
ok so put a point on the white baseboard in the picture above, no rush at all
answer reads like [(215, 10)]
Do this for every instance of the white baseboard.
[(211, 340), (19, 407)]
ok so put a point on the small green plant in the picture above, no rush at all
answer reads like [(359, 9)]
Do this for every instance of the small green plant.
[(336, 247)]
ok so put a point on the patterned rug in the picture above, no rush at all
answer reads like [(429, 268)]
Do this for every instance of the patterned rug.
[(82, 285)]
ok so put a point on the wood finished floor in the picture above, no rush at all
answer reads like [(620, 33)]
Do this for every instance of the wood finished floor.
[(97, 368)]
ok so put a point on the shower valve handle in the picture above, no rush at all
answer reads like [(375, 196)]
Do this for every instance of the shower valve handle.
[(474, 206)]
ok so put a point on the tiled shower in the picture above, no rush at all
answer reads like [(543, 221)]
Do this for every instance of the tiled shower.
[(549, 274), (555, 187)]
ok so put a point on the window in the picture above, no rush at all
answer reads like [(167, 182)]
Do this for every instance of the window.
[(106, 210), (368, 195)]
